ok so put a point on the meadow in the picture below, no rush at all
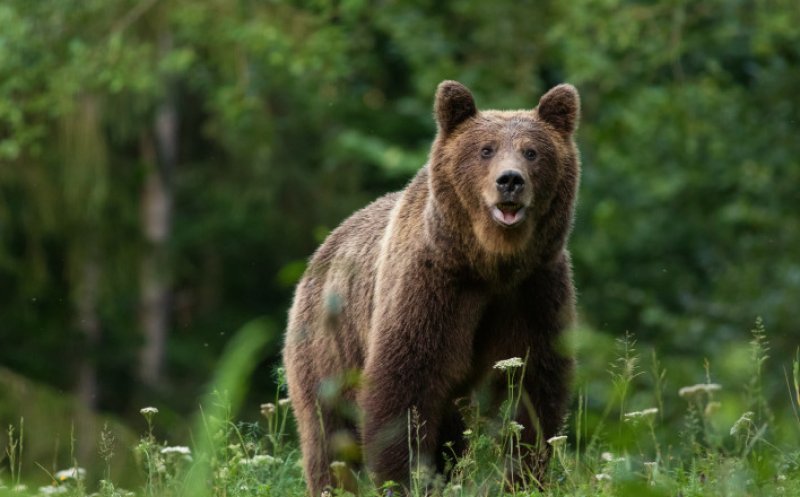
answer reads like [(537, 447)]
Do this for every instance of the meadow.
[(632, 432)]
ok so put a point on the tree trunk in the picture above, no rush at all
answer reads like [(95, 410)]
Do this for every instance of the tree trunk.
[(153, 281), (89, 325), (84, 178), (159, 154)]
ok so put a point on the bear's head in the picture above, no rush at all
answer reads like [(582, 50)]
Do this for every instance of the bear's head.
[(511, 176)]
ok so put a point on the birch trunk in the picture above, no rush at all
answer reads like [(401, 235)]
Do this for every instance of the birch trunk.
[(159, 153)]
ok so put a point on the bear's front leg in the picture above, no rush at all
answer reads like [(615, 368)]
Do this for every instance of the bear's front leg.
[(401, 413), (546, 311), (420, 349), (542, 409)]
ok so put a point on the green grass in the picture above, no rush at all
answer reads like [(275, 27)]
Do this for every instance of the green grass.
[(633, 431)]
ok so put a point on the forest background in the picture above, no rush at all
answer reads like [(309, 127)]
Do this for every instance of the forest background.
[(167, 167)]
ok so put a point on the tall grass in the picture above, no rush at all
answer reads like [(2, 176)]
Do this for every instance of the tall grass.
[(633, 433)]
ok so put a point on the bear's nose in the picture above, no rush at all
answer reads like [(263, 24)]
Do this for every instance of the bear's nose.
[(510, 182)]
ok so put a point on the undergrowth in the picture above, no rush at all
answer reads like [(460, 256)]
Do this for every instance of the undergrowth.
[(697, 440)]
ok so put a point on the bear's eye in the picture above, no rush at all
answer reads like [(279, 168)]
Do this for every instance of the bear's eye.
[(529, 153), (487, 152)]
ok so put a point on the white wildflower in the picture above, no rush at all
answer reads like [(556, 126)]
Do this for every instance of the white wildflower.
[(746, 419), (284, 402), (515, 428), (609, 457), (467, 432), (693, 390), (650, 465), (148, 411), (513, 362), (338, 465), (602, 477), (261, 460), (52, 490), (643, 414), (557, 440), (71, 474), (268, 409), (178, 449)]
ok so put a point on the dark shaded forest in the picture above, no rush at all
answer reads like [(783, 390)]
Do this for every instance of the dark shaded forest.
[(167, 167)]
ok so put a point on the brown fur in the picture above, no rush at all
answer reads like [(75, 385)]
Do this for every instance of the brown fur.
[(422, 291)]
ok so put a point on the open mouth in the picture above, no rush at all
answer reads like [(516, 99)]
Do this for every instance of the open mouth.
[(508, 213)]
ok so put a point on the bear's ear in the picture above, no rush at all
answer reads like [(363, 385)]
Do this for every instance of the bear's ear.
[(454, 104), (560, 107)]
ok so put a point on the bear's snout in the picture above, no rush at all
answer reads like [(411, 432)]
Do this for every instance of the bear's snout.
[(510, 183)]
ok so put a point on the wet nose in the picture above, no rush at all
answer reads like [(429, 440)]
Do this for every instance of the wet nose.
[(510, 182)]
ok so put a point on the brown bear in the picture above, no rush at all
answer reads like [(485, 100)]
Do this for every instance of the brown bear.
[(422, 291)]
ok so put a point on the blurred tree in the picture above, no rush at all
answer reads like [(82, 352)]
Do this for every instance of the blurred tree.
[(685, 229), (159, 152)]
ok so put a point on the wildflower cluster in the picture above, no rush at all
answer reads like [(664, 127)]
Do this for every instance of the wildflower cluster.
[(700, 388), (65, 481), (511, 363), (645, 414)]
